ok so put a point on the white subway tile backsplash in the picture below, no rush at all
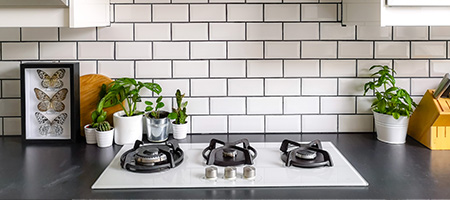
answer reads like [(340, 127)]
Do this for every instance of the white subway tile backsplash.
[(239, 50), (190, 31), (355, 50), (264, 105), (133, 50), (153, 69), (264, 1), (9, 69), (283, 124), (391, 49), (428, 49), (159, 31), (438, 68), (58, 50), (301, 68), (171, 85), (133, 13), (282, 12), (171, 50), (374, 33), (355, 123), (319, 86), (365, 65), (186, 69), (245, 87), (196, 106), (439, 32), (404, 83), (411, 33), (208, 50), (209, 124), (170, 13), (339, 105), (9, 34), (264, 68), (352, 86), (39, 34), (264, 31), (363, 104), (227, 31), (96, 50), (282, 50), (335, 31), (88, 67), (208, 87), (319, 12), (246, 124), (245, 12), (228, 105), (411, 68), (20, 51), (319, 123), (118, 32), (77, 34), (10, 88), (420, 85), (226, 1), (207, 12), (12, 126), (301, 31), (319, 49), (282, 87), (338, 68), (301, 105), (10, 107), (227, 68), (116, 69)]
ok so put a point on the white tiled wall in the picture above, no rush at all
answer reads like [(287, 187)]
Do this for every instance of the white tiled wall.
[(255, 66)]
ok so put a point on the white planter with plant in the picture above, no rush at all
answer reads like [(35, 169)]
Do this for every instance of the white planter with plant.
[(180, 125), (392, 106), (104, 134), (89, 134), (156, 121)]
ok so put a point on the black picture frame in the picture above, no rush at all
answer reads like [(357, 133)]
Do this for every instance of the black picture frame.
[(31, 125)]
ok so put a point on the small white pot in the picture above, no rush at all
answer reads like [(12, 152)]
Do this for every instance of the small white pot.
[(180, 130), (128, 129), (104, 138), (89, 133), (389, 129)]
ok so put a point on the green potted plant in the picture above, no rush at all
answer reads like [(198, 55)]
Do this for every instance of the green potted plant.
[(180, 126), (104, 134), (392, 106), (128, 122), (97, 116), (157, 121)]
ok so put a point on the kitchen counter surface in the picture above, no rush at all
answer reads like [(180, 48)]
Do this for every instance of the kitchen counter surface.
[(68, 171)]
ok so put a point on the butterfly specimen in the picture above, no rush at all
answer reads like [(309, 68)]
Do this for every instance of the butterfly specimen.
[(51, 104), (52, 82), (48, 127)]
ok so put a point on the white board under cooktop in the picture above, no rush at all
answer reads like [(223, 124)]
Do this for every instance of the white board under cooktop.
[(270, 172)]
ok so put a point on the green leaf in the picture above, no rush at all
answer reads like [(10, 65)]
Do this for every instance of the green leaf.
[(159, 105), (172, 116), (154, 87), (396, 115), (148, 103), (159, 99)]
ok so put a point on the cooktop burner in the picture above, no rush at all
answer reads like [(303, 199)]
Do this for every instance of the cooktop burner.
[(230, 154), (306, 155), (152, 158)]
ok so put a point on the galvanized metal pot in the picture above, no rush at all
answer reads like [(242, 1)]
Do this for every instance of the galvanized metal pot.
[(157, 129)]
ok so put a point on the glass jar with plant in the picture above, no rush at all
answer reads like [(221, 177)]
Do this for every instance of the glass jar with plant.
[(157, 121), (179, 116), (391, 107)]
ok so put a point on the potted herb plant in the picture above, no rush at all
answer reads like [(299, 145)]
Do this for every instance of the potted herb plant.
[(104, 134), (392, 106), (157, 121), (98, 116), (128, 122), (180, 126)]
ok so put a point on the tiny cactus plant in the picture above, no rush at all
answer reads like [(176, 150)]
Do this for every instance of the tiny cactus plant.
[(104, 126), (179, 114)]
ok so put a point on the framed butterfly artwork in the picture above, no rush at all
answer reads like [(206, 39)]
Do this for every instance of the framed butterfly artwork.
[(50, 102)]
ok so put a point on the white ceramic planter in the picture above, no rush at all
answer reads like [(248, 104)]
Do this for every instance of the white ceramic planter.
[(128, 129), (389, 129), (180, 130), (89, 133), (104, 138)]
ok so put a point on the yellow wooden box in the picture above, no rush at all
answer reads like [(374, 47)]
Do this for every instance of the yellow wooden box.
[(430, 122)]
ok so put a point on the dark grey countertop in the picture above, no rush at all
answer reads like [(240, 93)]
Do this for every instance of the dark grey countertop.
[(68, 171)]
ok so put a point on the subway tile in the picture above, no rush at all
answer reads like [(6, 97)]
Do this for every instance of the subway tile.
[(209, 87), (264, 31), (189, 1), (9, 69), (352, 86), (227, 68), (171, 85), (300, 1), (207, 12), (58, 50), (117, 32), (319, 123), (10, 107), (404, 83), (12, 126), (439, 32), (190, 69), (153, 69), (228, 105), (96, 50), (264, 105), (77, 34), (245, 87), (171, 50), (301, 31), (246, 124), (88, 67), (420, 85), (197, 106), (356, 123), (9, 34), (282, 87), (335, 31), (170, 13), (209, 124), (282, 12), (301, 105), (438, 68), (410, 33), (374, 33), (227, 31), (363, 104), (264, 68), (39, 34), (151, 1), (319, 86), (121, 1), (282, 50), (245, 12), (391, 49), (319, 49), (264, 1), (365, 65), (208, 50), (226, 1), (133, 50), (428, 49), (301, 68), (157, 31), (190, 31), (133, 13), (10, 88), (283, 124), (239, 50), (116, 69), (338, 68), (20, 51), (411, 68), (319, 12), (355, 50), (339, 105)]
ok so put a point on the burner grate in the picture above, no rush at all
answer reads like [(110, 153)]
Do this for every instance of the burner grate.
[(229, 154), (306, 156)]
